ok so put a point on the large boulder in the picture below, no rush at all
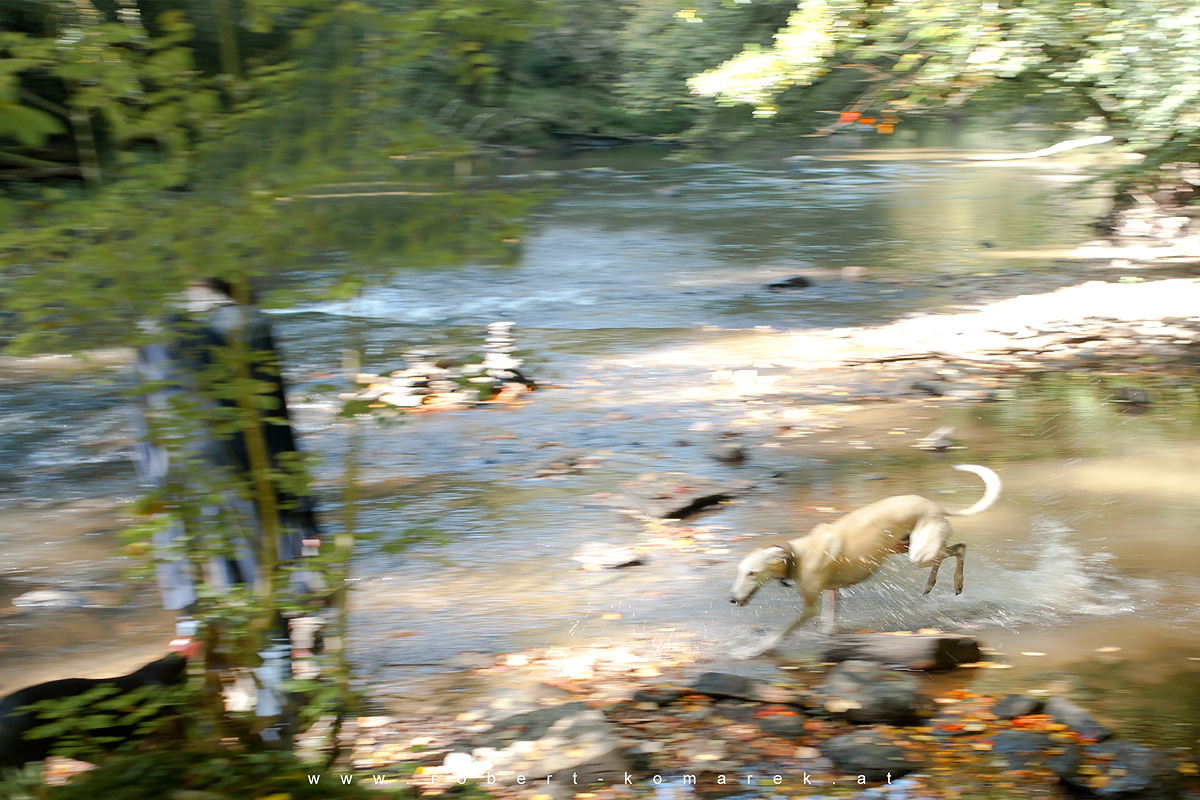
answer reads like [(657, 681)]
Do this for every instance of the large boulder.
[(865, 693)]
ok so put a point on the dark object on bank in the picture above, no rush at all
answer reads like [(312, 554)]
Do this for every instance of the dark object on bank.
[(677, 496), (921, 652), (1131, 395), (798, 282), (15, 750)]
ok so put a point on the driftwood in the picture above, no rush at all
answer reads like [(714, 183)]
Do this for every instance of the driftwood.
[(916, 651)]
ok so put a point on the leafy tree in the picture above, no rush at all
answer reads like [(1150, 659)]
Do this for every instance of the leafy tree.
[(1130, 63)]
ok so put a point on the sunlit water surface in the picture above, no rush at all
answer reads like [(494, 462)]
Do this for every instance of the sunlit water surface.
[(1093, 544)]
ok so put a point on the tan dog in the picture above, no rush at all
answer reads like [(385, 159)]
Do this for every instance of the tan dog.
[(850, 550)]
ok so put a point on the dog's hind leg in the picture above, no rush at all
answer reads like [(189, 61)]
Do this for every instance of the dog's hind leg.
[(959, 551), (927, 541), (932, 578)]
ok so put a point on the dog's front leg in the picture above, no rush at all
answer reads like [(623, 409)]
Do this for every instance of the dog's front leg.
[(829, 612), (811, 609)]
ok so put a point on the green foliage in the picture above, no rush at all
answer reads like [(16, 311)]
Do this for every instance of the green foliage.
[(1131, 63), (211, 775), (82, 725)]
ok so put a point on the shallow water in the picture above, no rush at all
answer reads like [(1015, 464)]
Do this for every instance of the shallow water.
[(626, 299)]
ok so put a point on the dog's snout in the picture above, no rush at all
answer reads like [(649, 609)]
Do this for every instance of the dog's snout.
[(733, 600)]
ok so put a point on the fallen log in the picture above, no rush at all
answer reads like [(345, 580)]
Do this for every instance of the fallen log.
[(933, 651)]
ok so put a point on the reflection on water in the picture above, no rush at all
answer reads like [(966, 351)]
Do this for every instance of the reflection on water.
[(1092, 545)]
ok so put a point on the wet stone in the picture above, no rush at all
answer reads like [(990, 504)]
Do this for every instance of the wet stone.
[(790, 723), (872, 754), (660, 696), (1117, 770), (1067, 713), (1021, 749), (724, 684), (865, 693), (1016, 705)]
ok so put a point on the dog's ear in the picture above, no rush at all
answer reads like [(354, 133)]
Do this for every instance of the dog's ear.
[(826, 546)]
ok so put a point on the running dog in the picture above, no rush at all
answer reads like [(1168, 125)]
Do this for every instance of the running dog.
[(850, 550)]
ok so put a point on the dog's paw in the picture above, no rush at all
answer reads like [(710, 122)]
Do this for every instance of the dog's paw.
[(745, 650)]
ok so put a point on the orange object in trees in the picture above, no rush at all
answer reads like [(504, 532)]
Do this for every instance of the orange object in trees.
[(848, 116)]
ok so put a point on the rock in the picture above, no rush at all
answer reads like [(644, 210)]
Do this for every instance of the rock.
[(921, 652), (1067, 713), (1021, 749), (864, 692), (940, 439), (50, 598), (784, 723), (1016, 705), (872, 754), (1118, 770), (560, 740), (1128, 394), (505, 701), (724, 684), (728, 685), (790, 284), (734, 711), (679, 496), (728, 453), (668, 191), (602, 555), (659, 695)]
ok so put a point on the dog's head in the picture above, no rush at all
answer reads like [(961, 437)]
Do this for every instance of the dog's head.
[(756, 569)]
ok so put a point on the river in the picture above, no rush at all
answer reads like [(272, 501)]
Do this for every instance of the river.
[(638, 281)]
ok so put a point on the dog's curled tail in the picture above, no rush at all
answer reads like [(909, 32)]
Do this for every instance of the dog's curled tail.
[(992, 493)]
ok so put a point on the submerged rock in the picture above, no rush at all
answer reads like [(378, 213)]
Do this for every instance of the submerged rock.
[(790, 284)]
